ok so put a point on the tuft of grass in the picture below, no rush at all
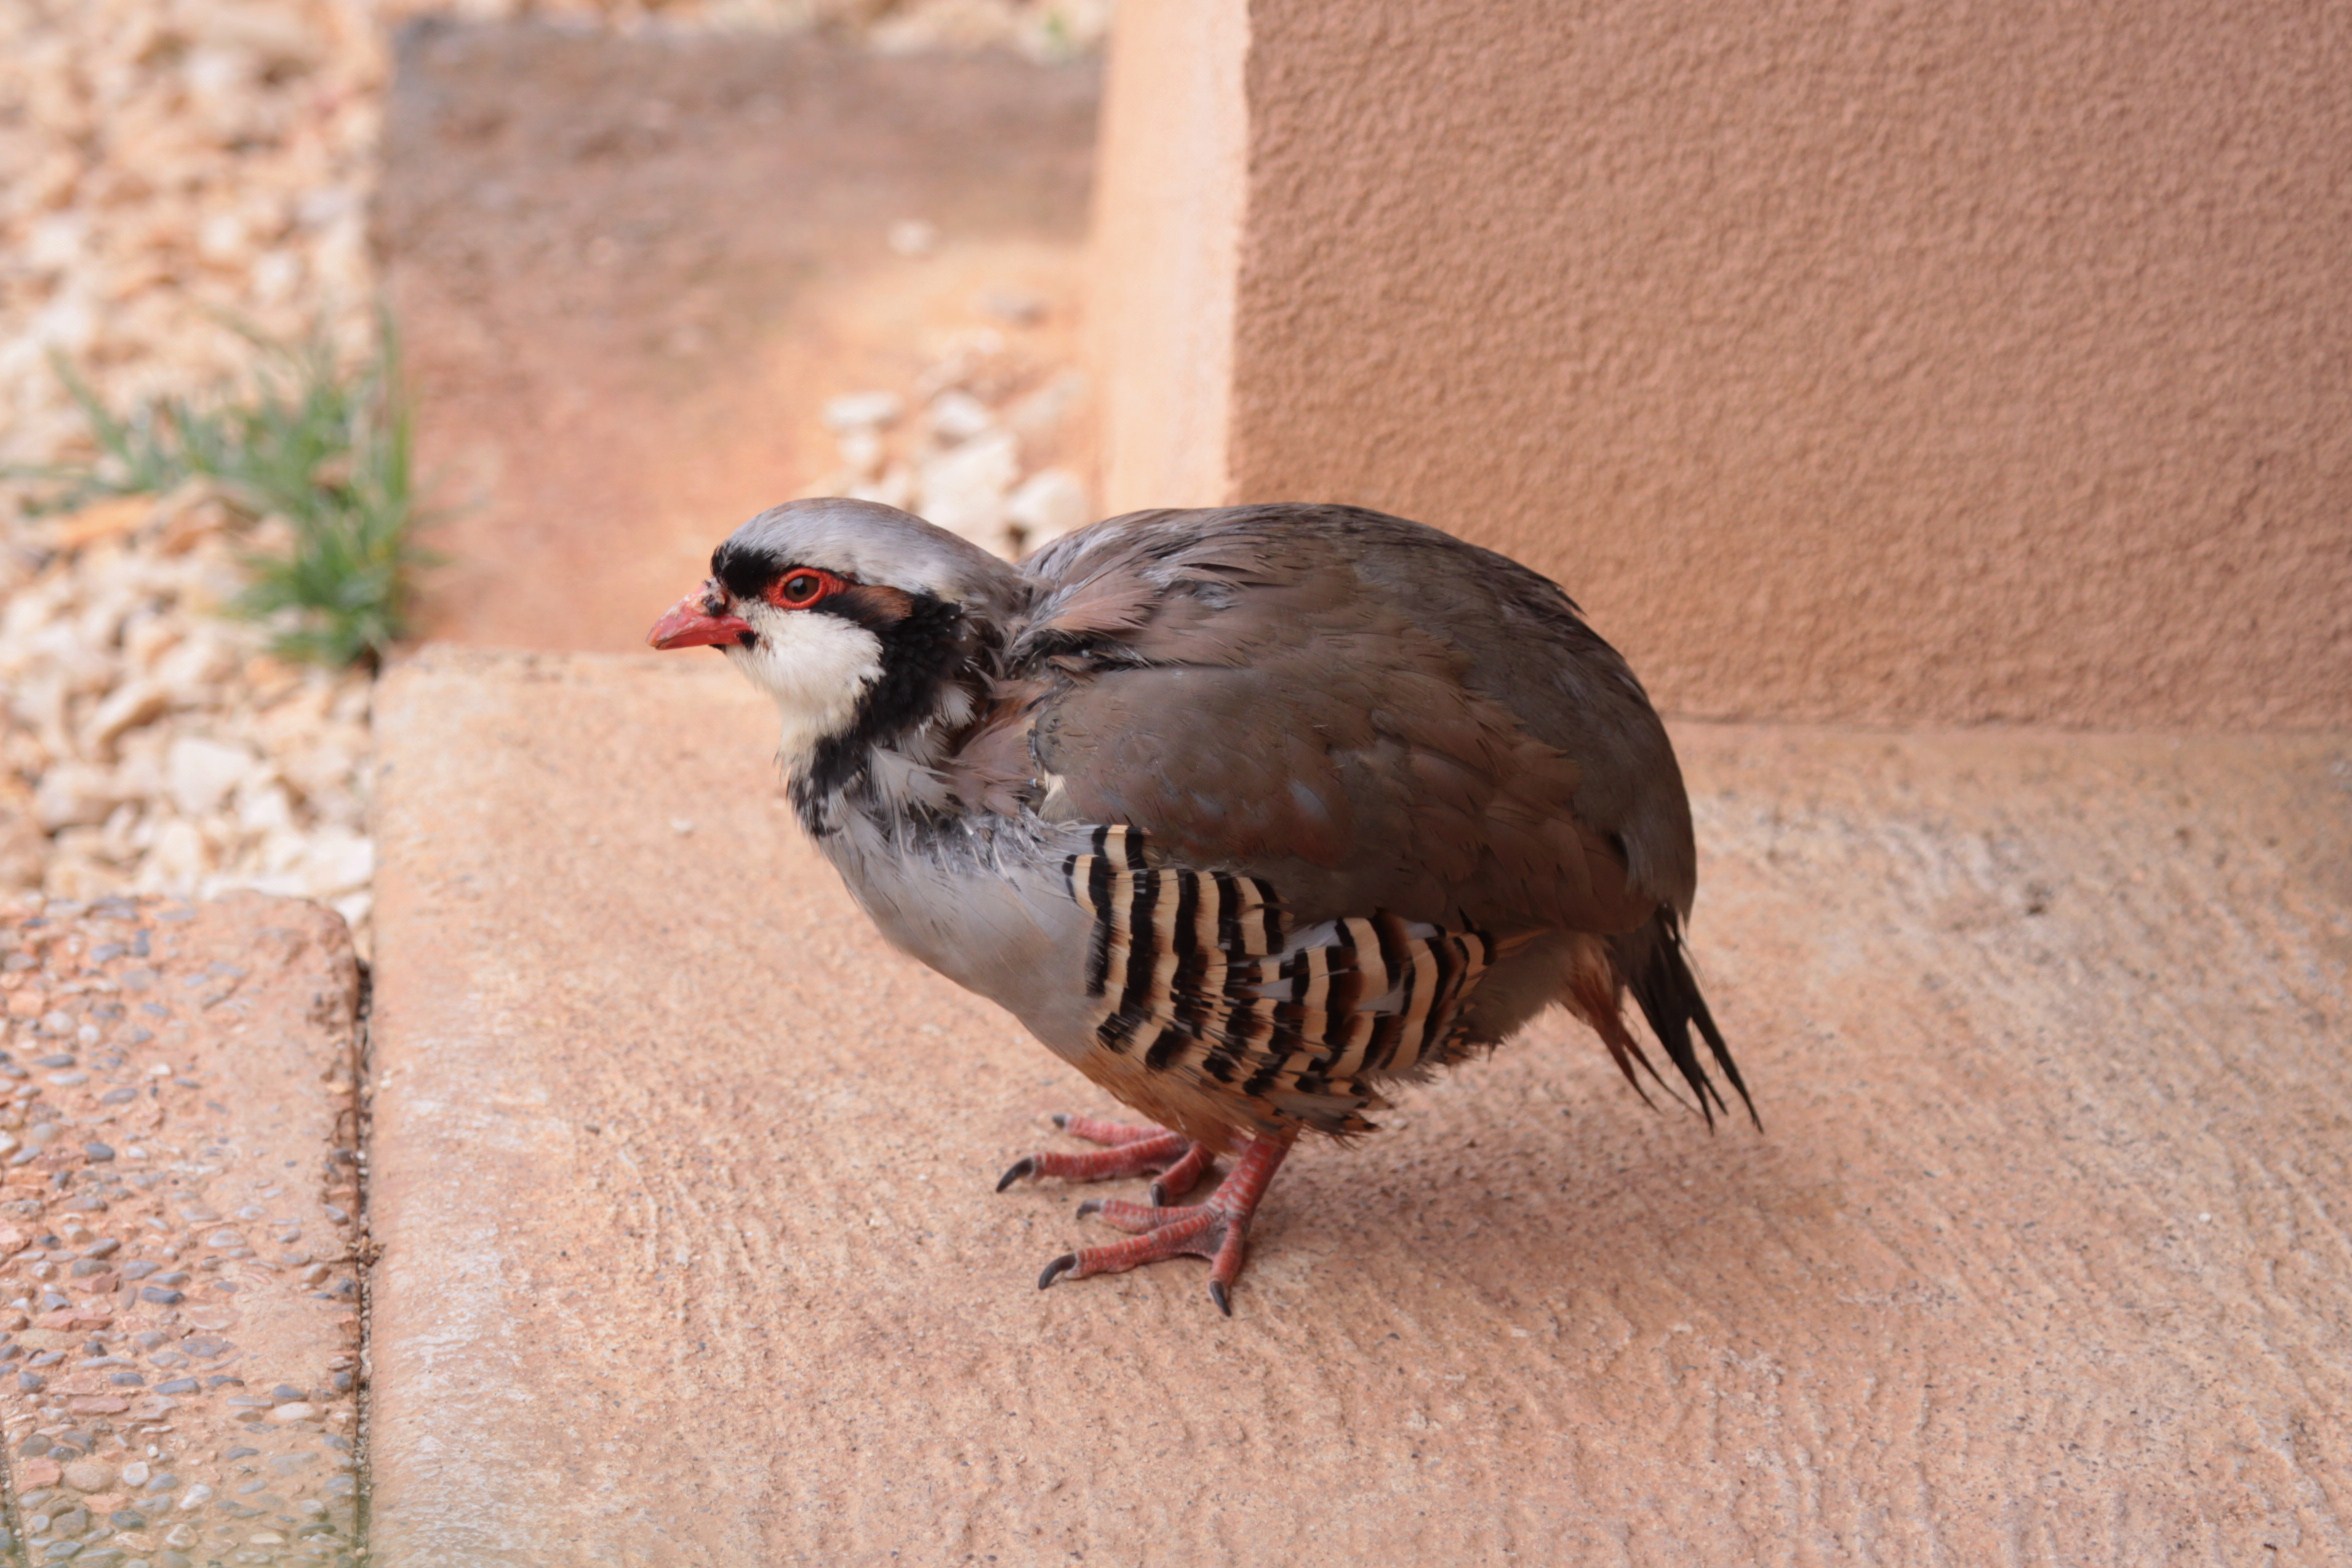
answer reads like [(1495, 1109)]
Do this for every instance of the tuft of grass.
[(323, 448)]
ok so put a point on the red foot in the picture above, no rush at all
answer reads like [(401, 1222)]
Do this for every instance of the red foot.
[(1127, 1151), (1217, 1230)]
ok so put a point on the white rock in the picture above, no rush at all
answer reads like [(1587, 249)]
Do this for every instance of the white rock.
[(179, 859), (200, 772), (57, 241), (914, 237), (339, 860), (223, 238), (861, 452), (963, 490), (283, 851), (148, 636), (1042, 413), (957, 416), (71, 656), (194, 669), (1049, 504), (74, 795), (863, 410), (263, 807), (138, 773), (128, 706), (218, 72)]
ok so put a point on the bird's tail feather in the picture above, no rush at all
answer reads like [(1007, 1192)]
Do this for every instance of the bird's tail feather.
[(1654, 965)]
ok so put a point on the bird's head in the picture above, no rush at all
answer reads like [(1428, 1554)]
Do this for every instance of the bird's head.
[(864, 624)]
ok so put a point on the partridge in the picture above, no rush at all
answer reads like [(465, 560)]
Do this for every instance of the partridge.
[(1249, 814)]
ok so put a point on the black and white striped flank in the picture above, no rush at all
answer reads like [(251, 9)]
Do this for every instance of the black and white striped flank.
[(1197, 975)]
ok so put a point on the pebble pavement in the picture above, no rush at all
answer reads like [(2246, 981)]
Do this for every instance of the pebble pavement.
[(179, 1295)]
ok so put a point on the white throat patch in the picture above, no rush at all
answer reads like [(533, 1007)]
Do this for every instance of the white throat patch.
[(816, 667)]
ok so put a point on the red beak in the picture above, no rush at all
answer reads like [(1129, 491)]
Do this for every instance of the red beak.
[(698, 621)]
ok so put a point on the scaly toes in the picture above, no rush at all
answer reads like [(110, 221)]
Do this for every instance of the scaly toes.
[(1195, 1232), (1134, 1217), (1217, 1230), (1110, 1135), (1181, 1177), (1149, 1149)]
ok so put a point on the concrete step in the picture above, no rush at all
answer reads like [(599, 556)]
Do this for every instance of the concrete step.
[(691, 1255)]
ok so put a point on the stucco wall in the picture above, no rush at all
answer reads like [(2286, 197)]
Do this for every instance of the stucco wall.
[(1167, 240), (1876, 362)]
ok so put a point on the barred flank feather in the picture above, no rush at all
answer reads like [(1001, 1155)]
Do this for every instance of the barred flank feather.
[(1198, 978)]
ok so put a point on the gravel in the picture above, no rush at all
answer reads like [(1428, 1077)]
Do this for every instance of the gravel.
[(963, 460)]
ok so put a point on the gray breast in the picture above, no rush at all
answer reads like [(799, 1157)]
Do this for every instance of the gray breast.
[(986, 903)]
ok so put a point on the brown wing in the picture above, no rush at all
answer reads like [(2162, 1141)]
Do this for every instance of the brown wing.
[(1364, 713)]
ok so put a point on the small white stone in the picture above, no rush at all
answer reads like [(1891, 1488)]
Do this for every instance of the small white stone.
[(1038, 415), (264, 807), (1049, 504), (73, 795), (282, 850), (217, 72), (201, 772), (861, 452), (963, 490), (129, 706), (914, 237), (958, 416), (135, 1473), (180, 857), (196, 1496), (339, 860), (862, 410), (223, 238), (195, 669), (295, 1410)]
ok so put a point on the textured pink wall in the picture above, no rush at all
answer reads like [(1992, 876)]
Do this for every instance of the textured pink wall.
[(1877, 362)]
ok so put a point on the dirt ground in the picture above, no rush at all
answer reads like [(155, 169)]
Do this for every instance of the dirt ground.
[(629, 279)]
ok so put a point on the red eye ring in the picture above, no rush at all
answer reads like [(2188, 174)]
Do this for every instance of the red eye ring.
[(798, 587)]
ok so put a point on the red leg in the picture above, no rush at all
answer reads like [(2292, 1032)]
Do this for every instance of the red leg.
[(1217, 1230), (1126, 1151)]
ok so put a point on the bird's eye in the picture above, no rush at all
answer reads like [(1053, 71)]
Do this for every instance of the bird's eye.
[(802, 587)]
